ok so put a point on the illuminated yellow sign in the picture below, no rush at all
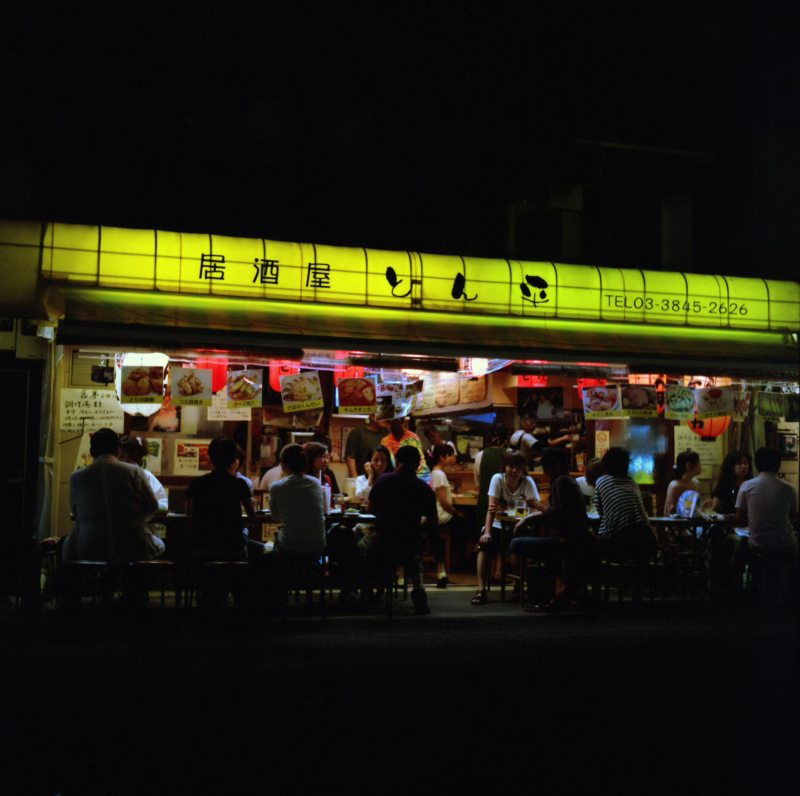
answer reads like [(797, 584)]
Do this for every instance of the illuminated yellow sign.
[(214, 265)]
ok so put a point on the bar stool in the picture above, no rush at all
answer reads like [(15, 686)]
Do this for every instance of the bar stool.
[(146, 571), (207, 570), (301, 573), (101, 579)]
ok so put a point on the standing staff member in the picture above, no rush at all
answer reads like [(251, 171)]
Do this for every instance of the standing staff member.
[(360, 443)]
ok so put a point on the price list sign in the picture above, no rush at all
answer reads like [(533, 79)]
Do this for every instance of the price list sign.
[(89, 410)]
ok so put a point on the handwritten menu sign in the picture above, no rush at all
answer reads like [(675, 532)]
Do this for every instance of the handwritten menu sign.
[(89, 410), (679, 403), (710, 451), (428, 392), (191, 386), (601, 401), (301, 391), (357, 396), (639, 400), (447, 389), (219, 409), (244, 388), (714, 402), (472, 390)]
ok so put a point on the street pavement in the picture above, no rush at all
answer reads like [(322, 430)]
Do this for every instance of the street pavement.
[(679, 697)]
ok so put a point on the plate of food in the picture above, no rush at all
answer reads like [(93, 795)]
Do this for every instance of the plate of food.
[(301, 388), (244, 385), (715, 399), (140, 381), (635, 396), (600, 399), (679, 399), (191, 383), (356, 392)]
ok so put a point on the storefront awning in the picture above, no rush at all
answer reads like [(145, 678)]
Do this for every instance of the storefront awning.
[(136, 318)]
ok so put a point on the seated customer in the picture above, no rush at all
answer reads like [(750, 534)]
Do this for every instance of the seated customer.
[(111, 503), (566, 530), (624, 528), (132, 451), (768, 507), (379, 462), (400, 502), (296, 503), (215, 505), (587, 483), (505, 488), (455, 520)]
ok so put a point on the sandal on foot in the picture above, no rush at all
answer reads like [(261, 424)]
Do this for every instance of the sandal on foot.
[(480, 598)]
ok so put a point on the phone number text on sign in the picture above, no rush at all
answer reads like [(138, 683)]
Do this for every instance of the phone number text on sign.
[(620, 301)]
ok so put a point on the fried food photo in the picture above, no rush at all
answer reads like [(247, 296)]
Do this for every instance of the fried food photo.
[(243, 386), (144, 381), (189, 384)]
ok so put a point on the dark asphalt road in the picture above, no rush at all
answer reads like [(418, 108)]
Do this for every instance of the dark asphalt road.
[(682, 698)]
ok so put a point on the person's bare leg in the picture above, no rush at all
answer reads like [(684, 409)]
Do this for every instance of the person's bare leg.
[(483, 564)]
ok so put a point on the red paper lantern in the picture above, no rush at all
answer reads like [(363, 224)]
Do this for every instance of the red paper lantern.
[(219, 370), (278, 368), (710, 427)]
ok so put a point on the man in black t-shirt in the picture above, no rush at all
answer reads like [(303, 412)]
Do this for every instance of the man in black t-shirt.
[(216, 501)]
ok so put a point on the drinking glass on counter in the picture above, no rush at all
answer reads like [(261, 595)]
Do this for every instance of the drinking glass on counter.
[(338, 501), (522, 507)]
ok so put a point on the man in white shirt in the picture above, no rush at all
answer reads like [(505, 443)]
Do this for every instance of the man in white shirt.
[(768, 507)]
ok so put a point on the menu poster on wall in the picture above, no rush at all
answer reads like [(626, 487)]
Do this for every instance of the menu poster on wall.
[(714, 402), (191, 457), (679, 403), (191, 386), (639, 400), (84, 458), (710, 451), (412, 397), (89, 410), (390, 400), (301, 391), (601, 402), (447, 389), (428, 400), (152, 459), (741, 405), (602, 442), (471, 391), (141, 385), (244, 388), (357, 396), (219, 409)]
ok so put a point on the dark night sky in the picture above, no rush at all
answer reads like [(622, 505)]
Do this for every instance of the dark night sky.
[(406, 125)]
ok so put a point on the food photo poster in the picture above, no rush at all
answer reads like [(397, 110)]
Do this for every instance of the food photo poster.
[(244, 388), (191, 386), (301, 392), (357, 396)]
